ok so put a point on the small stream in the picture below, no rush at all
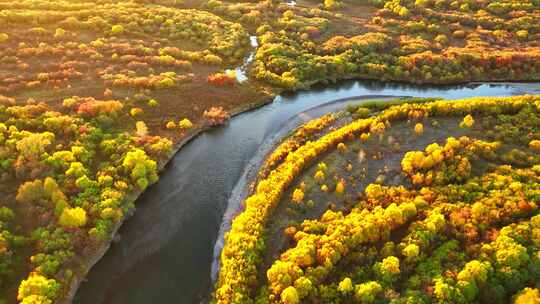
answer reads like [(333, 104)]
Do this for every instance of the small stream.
[(168, 249), (291, 3), (241, 71)]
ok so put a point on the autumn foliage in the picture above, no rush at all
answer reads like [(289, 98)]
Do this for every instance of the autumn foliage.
[(216, 115), (221, 79), (71, 173), (457, 227)]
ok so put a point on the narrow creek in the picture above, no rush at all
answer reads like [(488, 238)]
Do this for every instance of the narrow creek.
[(241, 71), (168, 250)]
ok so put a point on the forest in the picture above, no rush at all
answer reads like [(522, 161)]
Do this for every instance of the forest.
[(96, 97)]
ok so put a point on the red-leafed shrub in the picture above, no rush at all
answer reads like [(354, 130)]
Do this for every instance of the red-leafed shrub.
[(94, 107), (216, 115), (221, 79)]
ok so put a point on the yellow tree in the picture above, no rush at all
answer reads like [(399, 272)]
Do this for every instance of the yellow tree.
[(73, 217)]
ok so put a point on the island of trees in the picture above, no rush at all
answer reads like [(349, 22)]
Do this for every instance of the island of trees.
[(409, 201)]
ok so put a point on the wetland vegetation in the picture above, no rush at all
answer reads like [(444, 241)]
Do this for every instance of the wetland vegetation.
[(97, 96)]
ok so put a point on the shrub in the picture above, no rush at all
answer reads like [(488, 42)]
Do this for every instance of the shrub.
[(367, 292), (522, 35), (535, 145), (39, 288), (340, 187), (290, 296), (467, 122), (59, 33), (142, 169), (442, 39), (185, 124), (528, 296), (221, 79), (92, 108), (136, 112), (34, 144), (30, 192), (298, 196), (216, 115), (345, 286), (117, 29), (419, 129), (141, 129), (170, 125), (73, 217), (459, 34)]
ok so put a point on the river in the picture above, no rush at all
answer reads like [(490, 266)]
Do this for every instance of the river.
[(167, 250)]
